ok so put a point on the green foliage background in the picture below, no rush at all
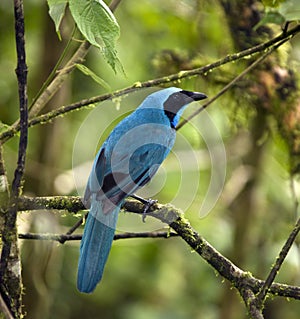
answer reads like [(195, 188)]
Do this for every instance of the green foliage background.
[(146, 278)]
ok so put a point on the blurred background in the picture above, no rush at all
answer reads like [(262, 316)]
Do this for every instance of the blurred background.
[(235, 145)]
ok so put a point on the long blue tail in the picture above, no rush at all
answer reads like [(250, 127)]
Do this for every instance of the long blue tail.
[(95, 246)]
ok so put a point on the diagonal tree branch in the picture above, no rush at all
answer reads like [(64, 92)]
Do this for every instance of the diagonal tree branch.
[(47, 117), (5, 310), (58, 81), (60, 78), (233, 82), (279, 261)]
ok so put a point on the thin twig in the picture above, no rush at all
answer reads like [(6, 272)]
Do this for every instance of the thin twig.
[(58, 81), (232, 83), (279, 261), (114, 4), (62, 238), (68, 234), (76, 225), (283, 253), (4, 187), (51, 76), (4, 309)]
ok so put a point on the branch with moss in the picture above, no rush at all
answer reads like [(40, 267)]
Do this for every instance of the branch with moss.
[(10, 269), (243, 281), (245, 54)]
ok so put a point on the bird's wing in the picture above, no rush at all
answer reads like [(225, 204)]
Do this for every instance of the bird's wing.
[(127, 161), (143, 164)]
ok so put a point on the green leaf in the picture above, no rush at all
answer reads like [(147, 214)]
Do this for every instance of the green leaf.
[(280, 11), (99, 26), (290, 9), (272, 3), (57, 11), (270, 17), (85, 70)]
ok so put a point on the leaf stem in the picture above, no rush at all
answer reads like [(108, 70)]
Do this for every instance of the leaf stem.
[(54, 70)]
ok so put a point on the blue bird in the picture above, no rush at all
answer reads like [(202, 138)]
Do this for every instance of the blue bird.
[(127, 160)]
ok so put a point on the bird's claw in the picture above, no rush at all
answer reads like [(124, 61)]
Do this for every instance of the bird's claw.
[(147, 204)]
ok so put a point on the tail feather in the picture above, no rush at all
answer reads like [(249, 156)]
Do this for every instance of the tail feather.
[(95, 246)]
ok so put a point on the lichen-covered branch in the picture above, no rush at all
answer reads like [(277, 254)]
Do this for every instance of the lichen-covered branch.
[(255, 311)]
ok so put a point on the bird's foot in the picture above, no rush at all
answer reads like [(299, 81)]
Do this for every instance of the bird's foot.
[(147, 204)]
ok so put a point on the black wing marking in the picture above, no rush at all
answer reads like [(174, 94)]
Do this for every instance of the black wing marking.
[(143, 164), (100, 168)]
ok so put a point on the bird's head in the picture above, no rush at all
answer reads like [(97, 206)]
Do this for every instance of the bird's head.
[(172, 101)]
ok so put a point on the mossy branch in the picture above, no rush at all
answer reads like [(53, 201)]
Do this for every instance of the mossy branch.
[(10, 269), (242, 280), (47, 117)]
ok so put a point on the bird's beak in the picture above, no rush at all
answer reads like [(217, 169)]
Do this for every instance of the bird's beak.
[(196, 96)]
